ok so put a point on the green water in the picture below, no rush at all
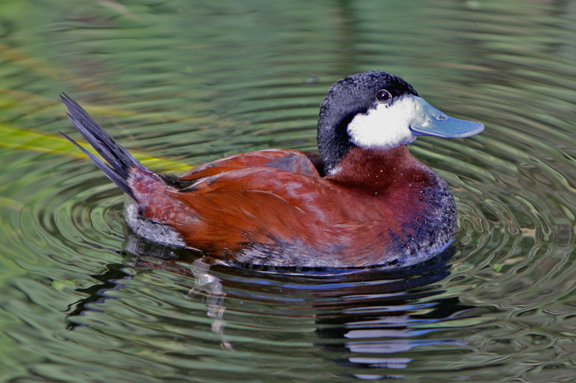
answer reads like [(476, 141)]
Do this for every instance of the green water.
[(185, 82)]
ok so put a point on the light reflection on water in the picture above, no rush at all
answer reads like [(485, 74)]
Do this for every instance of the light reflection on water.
[(357, 319), (196, 81)]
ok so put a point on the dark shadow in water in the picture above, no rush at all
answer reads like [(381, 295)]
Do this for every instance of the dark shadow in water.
[(111, 280), (366, 320)]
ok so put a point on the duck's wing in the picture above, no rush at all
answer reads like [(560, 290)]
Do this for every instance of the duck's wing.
[(306, 163), (248, 205)]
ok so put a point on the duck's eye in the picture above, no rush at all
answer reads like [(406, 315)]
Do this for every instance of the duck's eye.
[(383, 96)]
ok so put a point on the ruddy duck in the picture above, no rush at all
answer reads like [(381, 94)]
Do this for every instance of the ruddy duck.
[(364, 201)]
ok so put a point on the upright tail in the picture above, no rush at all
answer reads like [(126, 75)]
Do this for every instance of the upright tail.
[(119, 159)]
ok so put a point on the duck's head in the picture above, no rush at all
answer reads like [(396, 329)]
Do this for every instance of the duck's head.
[(377, 110)]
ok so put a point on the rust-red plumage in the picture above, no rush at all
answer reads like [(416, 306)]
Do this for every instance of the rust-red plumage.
[(374, 205), (350, 220)]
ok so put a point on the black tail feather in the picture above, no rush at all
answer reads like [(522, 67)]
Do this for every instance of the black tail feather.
[(119, 159)]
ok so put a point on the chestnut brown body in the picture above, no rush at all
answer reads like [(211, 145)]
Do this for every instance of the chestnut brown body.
[(273, 208)]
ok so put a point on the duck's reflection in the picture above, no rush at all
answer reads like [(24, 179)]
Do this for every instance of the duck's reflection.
[(380, 334), (365, 319)]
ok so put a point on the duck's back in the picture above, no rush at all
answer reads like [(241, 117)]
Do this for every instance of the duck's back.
[(295, 161)]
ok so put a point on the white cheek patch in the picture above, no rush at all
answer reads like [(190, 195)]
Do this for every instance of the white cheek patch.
[(386, 126)]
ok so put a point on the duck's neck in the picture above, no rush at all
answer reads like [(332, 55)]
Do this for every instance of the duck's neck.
[(378, 168)]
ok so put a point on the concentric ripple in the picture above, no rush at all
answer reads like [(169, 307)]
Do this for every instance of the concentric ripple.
[(85, 300)]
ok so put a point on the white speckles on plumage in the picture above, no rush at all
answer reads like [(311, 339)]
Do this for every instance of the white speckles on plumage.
[(334, 170), (149, 229), (385, 126)]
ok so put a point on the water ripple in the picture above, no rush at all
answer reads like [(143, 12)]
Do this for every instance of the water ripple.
[(84, 300)]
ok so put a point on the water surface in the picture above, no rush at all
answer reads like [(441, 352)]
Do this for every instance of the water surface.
[(184, 82)]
